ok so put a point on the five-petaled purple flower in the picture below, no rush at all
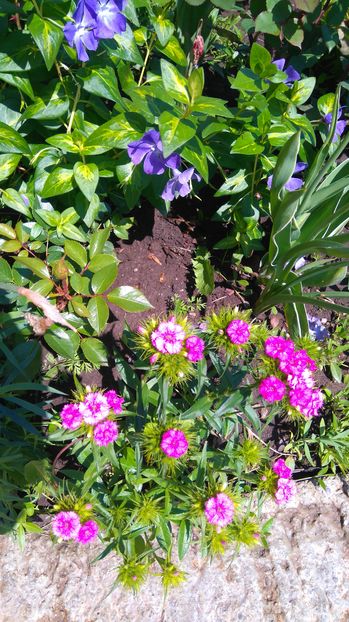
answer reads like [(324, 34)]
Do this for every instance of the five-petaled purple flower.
[(94, 20), (291, 73), (294, 183), (340, 125), (149, 149), (180, 184)]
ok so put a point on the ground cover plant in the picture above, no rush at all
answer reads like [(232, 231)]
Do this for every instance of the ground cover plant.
[(173, 191)]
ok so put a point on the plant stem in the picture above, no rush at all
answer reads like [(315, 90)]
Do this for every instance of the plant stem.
[(75, 105), (149, 49)]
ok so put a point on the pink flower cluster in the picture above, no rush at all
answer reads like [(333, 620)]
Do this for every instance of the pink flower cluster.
[(298, 368), (169, 338), (219, 510), (238, 332), (174, 443), (95, 409), (67, 525), (286, 488)]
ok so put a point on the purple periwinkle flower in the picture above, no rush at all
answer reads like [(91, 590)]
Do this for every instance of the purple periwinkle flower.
[(149, 149), (291, 73), (180, 184), (81, 33), (294, 183), (109, 20), (340, 125)]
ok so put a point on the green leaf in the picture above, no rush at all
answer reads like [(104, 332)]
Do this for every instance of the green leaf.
[(246, 80), (95, 351), (98, 240), (8, 164), (99, 313), (99, 262), (164, 29), (86, 177), (76, 252), (265, 23), (293, 33), (63, 342), (104, 278), (173, 51), (284, 168), (234, 184), (194, 153), (129, 299), (101, 81), (37, 266), (14, 200), (302, 90), (204, 272), (79, 307), (174, 131), (196, 83), (211, 106), (23, 84), (246, 144), (116, 133), (5, 271), (80, 284), (175, 84), (64, 142), (58, 182), (72, 232), (11, 141), (184, 538), (7, 231), (306, 5), (43, 287), (47, 37), (260, 59)]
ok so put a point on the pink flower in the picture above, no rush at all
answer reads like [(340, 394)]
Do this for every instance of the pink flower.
[(105, 432), (286, 489), (168, 337), (297, 363), (272, 389), (87, 532), (278, 347), (115, 401), (302, 381), (198, 49), (195, 347), (238, 331), (307, 401), (174, 443), (66, 525), (281, 469), (71, 416), (153, 359), (219, 510), (94, 408)]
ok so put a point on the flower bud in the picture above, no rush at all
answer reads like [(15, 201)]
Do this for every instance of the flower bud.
[(198, 49)]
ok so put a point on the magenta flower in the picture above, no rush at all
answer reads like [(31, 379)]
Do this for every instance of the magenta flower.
[(219, 510), (81, 33), (168, 337), (195, 347), (105, 432), (307, 401), (281, 469), (291, 73), (286, 489), (71, 416), (149, 148), (297, 363), (174, 443), (180, 184), (272, 389), (294, 183), (94, 408), (340, 125), (66, 525), (238, 331), (115, 401), (87, 532), (278, 347), (303, 380)]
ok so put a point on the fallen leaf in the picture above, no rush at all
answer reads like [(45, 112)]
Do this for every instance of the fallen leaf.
[(154, 258)]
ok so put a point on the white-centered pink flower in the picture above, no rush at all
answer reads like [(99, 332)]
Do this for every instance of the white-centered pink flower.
[(168, 337)]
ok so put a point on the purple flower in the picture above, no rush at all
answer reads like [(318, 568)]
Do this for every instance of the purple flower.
[(294, 183), (109, 20), (180, 184), (149, 149), (81, 33), (340, 125), (291, 73)]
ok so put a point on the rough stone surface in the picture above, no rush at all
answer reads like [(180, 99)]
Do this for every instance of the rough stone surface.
[(303, 577)]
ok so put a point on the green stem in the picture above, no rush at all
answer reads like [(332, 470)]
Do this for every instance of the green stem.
[(149, 49), (254, 176), (36, 7), (75, 105)]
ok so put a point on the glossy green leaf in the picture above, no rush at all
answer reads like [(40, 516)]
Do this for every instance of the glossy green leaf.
[(14, 200), (79, 307), (211, 106), (129, 299), (76, 252), (260, 59), (265, 23), (11, 141), (184, 538), (116, 133), (99, 313), (101, 81), (174, 131), (64, 142), (98, 240), (6, 231), (37, 266), (196, 83), (175, 84), (47, 37), (95, 351), (99, 262), (173, 51), (5, 271), (284, 168), (104, 278), (246, 144), (302, 91), (203, 272), (58, 182), (164, 29), (63, 342), (86, 177), (8, 164)]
